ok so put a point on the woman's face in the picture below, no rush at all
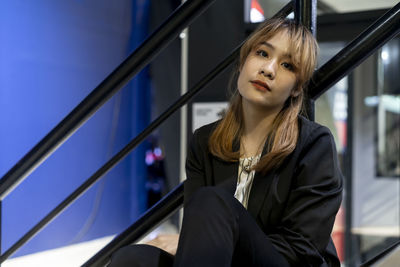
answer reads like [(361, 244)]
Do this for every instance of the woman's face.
[(268, 75)]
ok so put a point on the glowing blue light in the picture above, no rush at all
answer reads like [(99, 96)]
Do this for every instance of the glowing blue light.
[(157, 152)]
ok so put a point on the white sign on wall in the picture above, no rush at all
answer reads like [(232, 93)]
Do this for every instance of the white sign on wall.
[(207, 112)]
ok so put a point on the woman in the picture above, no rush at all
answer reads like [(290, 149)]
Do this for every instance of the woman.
[(263, 184)]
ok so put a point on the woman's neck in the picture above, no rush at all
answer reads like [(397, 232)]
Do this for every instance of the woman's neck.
[(257, 125)]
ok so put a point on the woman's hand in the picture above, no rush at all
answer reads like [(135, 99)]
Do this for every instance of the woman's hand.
[(167, 242)]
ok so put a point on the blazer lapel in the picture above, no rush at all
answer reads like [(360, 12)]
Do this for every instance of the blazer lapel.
[(225, 174), (260, 188), (259, 191)]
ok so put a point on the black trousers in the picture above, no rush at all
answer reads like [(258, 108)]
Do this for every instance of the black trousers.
[(216, 231)]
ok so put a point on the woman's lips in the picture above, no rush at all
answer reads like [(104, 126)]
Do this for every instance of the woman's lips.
[(260, 85)]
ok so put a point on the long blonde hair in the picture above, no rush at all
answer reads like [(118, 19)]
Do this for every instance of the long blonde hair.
[(283, 137)]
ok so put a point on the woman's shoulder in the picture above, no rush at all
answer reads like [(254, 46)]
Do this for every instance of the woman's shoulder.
[(307, 126), (200, 138), (310, 130), (205, 131)]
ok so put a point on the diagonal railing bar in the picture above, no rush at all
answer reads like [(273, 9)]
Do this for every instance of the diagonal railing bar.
[(158, 40), (370, 40), (305, 13), (154, 217), (381, 255), (129, 147), (119, 156)]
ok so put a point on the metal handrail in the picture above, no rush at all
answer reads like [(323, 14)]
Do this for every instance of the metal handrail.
[(305, 13), (382, 254), (119, 156), (170, 29), (365, 44), (158, 40), (151, 219)]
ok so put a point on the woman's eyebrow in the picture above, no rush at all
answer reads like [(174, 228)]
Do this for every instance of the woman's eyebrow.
[(273, 48), (268, 45)]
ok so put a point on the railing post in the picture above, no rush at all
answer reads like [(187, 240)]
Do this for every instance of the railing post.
[(305, 12), (349, 259)]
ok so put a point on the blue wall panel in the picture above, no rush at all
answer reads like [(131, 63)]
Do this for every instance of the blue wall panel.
[(52, 54)]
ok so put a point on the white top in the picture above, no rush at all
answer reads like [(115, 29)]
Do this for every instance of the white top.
[(245, 179)]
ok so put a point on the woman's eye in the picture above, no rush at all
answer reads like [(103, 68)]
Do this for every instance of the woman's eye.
[(262, 53), (288, 66)]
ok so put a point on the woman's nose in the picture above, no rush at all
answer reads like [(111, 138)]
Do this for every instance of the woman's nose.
[(268, 69)]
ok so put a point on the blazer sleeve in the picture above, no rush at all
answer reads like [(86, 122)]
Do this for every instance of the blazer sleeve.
[(313, 202), (195, 174)]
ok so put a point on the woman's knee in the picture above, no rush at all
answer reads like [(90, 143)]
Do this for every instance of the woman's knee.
[(208, 201), (207, 196)]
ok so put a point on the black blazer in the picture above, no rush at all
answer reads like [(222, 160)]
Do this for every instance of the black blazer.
[(294, 205)]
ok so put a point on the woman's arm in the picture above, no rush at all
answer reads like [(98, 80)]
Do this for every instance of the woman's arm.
[(195, 179), (314, 200), (195, 176)]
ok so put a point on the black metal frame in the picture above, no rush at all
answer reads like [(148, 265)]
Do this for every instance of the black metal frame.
[(380, 255), (348, 181), (154, 44), (170, 29), (305, 13), (346, 60), (151, 219), (374, 37), (345, 26)]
